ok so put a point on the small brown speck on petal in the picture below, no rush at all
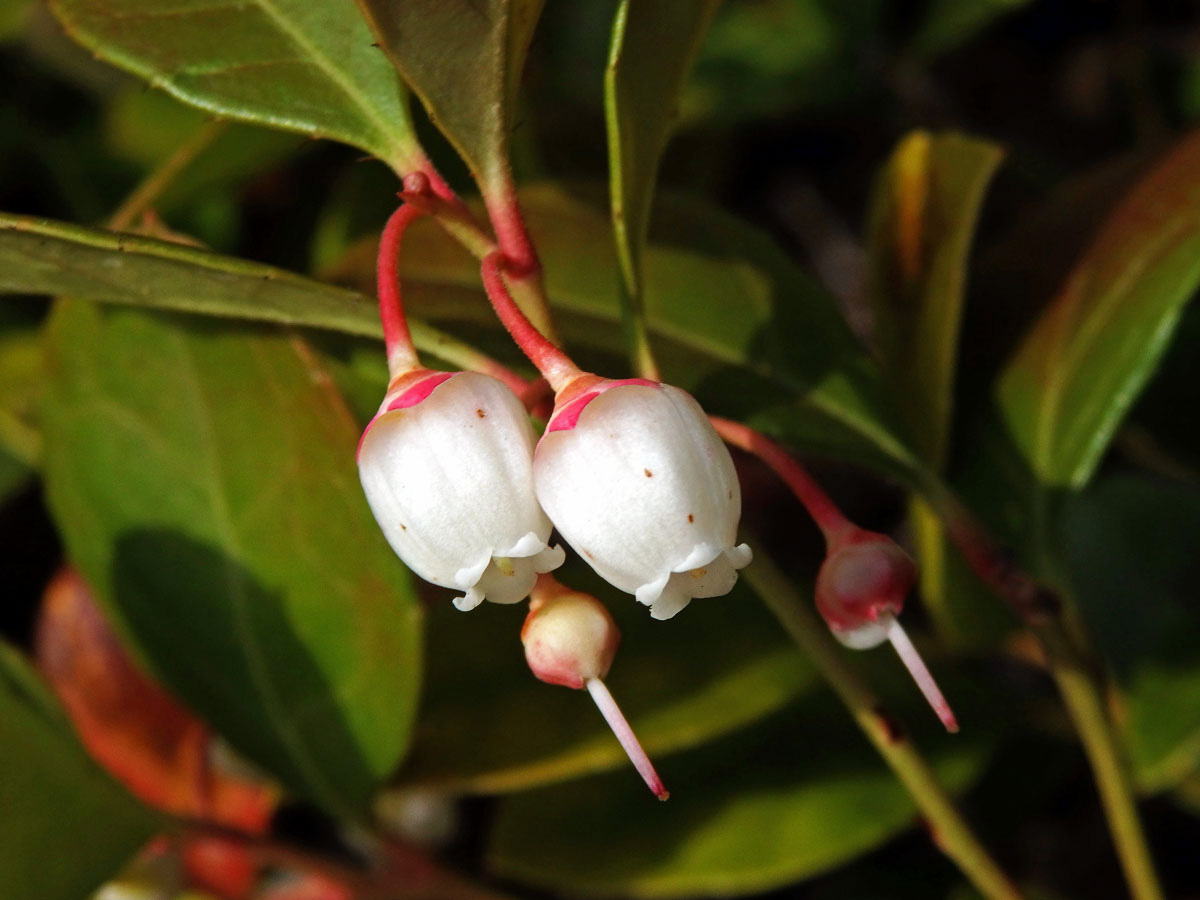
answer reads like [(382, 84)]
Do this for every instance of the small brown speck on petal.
[(481, 413), (691, 518), (649, 474)]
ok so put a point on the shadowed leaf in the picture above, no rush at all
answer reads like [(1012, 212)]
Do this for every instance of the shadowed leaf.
[(204, 483)]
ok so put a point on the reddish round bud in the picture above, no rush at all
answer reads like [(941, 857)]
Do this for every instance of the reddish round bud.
[(861, 587), (569, 637)]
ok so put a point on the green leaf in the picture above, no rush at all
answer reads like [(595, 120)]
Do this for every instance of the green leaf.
[(654, 45), (463, 58), (922, 221), (43, 772), (1130, 545), (41, 256), (1084, 361), (300, 65), (204, 483), (488, 725), (757, 810)]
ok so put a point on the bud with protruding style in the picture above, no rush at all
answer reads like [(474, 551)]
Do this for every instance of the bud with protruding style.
[(860, 591), (570, 640)]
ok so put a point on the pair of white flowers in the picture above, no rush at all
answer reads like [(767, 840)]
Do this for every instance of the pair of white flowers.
[(631, 474)]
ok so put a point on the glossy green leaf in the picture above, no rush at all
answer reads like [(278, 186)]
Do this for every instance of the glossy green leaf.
[(489, 726), (757, 810), (300, 65), (44, 771), (41, 256), (1084, 361), (922, 222), (1130, 543), (463, 58), (203, 480), (654, 44)]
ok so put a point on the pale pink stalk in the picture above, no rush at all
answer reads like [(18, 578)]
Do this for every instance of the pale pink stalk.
[(624, 733), (921, 675)]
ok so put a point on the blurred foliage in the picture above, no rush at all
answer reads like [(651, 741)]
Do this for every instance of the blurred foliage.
[(837, 256)]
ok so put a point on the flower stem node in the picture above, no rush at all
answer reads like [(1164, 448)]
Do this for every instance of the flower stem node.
[(570, 640), (637, 481), (860, 591), (446, 466)]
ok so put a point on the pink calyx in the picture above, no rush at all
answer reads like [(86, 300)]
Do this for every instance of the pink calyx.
[(404, 392), (579, 393), (414, 394)]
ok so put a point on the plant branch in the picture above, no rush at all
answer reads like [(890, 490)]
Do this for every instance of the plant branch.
[(951, 832)]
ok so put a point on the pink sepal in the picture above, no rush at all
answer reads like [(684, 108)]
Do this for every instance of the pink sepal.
[(406, 398), (418, 392), (568, 417)]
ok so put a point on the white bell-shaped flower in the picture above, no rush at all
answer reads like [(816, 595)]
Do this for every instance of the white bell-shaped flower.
[(637, 481), (446, 468)]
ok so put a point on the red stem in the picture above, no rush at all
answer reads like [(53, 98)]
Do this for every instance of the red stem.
[(556, 367), (401, 355), (511, 233), (823, 510)]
